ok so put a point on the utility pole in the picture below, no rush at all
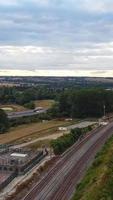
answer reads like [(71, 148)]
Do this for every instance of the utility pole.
[(104, 111)]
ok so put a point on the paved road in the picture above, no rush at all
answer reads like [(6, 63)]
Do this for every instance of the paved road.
[(60, 182), (24, 113), (82, 124)]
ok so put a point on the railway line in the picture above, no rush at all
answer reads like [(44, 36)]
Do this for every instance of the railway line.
[(66, 191), (60, 182)]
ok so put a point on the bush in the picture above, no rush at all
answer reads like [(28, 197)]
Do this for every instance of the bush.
[(4, 122), (62, 143), (29, 119), (30, 105)]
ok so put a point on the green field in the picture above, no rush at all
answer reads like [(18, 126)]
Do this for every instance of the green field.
[(98, 182), (12, 107)]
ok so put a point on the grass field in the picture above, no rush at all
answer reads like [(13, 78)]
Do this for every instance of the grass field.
[(16, 108), (98, 182), (31, 130), (44, 103), (40, 144), (12, 108)]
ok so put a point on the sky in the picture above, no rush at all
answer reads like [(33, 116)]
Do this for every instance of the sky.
[(56, 37)]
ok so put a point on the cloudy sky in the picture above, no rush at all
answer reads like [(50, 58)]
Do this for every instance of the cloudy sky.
[(56, 37)]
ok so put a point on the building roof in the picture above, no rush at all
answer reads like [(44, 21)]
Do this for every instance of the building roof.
[(19, 155)]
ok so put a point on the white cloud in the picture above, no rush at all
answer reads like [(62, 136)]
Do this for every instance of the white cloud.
[(97, 5), (8, 2), (94, 57), (56, 35), (41, 2)]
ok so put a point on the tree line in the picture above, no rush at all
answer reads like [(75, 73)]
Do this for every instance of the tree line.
[(83, 103), (25, 96), (4, 122), (74, 103), (64, 142)]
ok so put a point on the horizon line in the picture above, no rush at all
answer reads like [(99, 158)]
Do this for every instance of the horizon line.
[(56, 73)]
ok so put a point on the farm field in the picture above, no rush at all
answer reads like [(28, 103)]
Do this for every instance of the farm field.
[(44, 103), (33, 130)]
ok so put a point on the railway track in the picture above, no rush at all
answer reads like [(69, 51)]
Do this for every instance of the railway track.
[(65, 192), (60, 182)]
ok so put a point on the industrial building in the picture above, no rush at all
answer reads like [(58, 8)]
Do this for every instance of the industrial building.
[(15, 162)]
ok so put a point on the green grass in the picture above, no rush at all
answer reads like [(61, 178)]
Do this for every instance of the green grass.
[(40, 144), (98, 182)]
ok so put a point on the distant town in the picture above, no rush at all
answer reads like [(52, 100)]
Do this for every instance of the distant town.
[(57, 81)]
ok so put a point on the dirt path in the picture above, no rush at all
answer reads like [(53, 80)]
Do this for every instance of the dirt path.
[(49, 137)]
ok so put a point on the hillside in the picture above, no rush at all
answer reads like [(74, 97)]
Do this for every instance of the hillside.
[(98, 182)]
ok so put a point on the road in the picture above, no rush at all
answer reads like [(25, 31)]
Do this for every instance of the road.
[(60, 182), (24, 113)]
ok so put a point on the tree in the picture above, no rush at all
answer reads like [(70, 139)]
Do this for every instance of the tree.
[(30, 105), (84, 103), (4, 122)]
